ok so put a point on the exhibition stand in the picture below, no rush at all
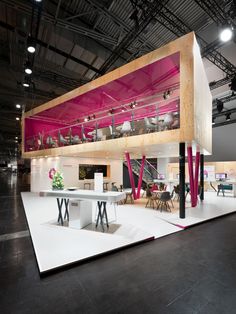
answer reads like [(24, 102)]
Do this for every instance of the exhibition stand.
[(156, 106)]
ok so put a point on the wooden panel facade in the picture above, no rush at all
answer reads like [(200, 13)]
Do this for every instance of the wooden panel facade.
[(195, 104)]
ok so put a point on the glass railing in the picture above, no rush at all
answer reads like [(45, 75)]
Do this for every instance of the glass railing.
[(121, 122)]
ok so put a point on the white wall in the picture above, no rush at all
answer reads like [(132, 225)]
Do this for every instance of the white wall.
[(223, 143), (162, 164), (69, 166)]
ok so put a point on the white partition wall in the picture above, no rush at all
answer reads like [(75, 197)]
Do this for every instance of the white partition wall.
[(69, 166)]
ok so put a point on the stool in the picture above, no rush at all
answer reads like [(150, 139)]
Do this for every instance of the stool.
[(129, 195), (87, 184), (105, 186)]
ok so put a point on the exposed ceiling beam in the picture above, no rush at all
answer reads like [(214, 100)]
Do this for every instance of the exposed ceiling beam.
[(52, 48), (216, 12), (47, 18), (152, 9), (224, 123)]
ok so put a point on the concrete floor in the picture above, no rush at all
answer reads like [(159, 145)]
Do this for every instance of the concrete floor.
[(192, 271)]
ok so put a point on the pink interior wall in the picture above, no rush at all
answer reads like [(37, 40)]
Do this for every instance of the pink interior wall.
[(147, 81), (151, 80)]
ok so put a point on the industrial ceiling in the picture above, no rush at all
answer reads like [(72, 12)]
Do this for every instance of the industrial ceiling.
[(79, 40)]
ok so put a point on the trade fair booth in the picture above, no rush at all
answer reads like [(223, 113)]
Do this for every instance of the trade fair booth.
[(156, 106)]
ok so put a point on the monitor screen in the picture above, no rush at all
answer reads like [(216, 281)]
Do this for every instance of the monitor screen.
[(221, 176), (87, 171)]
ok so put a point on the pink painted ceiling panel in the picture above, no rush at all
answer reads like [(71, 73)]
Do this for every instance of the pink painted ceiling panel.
[(136, 86)]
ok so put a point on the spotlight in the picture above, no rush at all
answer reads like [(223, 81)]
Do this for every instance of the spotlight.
[(38, 0), (166, 94), (25, 84), (28, 68), (227, 116), (132, 105), (232, 85), (17, 118), (226, 34), (219, 105), (16, 137), (213, 121), (123, 109), (31, 45), (93, 117), (18, 106), (112, 111), (85, 119)]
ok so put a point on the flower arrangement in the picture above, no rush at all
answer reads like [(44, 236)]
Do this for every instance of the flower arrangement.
[(57, 179)]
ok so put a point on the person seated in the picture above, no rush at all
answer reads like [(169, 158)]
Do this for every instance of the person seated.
[(154, 187)]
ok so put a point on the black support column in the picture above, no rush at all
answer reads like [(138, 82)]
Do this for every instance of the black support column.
[(202, 176), (182, 180)]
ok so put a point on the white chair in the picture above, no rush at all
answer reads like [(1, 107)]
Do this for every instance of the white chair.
[(114, 133), (126, 128), (149, 127), (100, 135), (175, 124), (168, 119), (75, 139), (61, 139)]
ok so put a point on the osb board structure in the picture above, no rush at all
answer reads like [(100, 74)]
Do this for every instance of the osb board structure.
[(195, 109)]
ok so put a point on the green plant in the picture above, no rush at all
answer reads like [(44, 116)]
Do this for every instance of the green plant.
[(58, 181)]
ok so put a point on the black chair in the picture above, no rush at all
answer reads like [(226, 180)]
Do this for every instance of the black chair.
[(114, 188), (164, 201), (176, 192), (152, 199)]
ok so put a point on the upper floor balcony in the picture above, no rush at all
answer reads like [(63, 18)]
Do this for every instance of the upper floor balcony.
[(141, 107)]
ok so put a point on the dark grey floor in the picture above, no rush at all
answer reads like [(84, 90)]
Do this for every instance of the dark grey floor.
[(193, 271)]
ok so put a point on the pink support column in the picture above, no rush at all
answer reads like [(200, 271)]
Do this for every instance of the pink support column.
[(140, 177), (131, 177), (197, 161), (190, 169)]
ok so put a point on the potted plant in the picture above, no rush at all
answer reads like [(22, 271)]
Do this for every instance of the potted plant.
[(57, 179)]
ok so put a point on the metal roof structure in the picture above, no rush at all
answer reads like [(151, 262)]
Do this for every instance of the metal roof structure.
[(79, 40)]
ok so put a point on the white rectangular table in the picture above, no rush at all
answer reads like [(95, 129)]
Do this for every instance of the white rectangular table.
[(102, 198)]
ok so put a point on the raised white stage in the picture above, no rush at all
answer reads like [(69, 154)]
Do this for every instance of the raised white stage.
[(56, 246)]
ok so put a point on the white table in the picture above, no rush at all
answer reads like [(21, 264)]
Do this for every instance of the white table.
[(102, 198)]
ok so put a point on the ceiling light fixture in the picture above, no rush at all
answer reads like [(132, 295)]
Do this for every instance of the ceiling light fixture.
[(219, 105), (232, 85), (228, 118), (133, 105), (166, 94), (16, 137), (226, 34), (30, 45), (18, 106), (25, 84), (28, 68), (17, 118)]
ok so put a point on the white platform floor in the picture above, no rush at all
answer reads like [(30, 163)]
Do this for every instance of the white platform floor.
[(56, 246)]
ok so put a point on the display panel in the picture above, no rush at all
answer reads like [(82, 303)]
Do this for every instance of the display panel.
[(221, 176), (87, 171)]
